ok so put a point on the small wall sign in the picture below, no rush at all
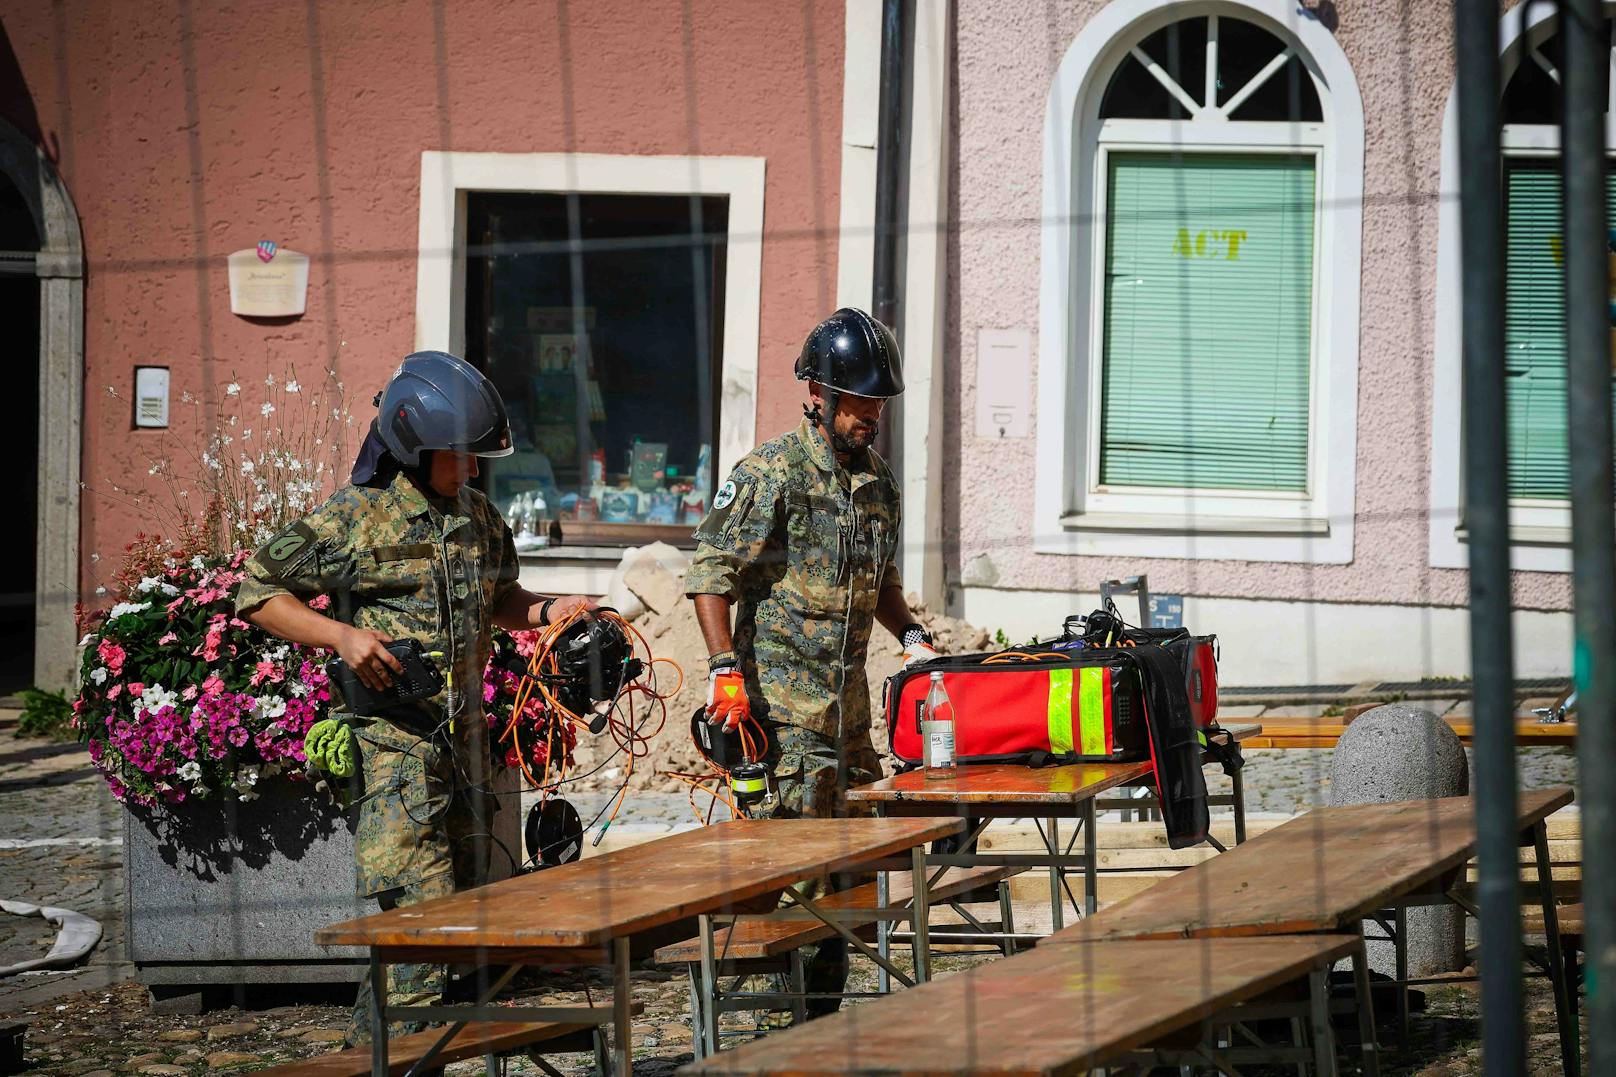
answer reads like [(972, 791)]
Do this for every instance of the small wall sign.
[(1166, 611), (268, 281)]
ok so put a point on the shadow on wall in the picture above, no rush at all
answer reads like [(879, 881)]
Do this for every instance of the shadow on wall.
[(16, 103)]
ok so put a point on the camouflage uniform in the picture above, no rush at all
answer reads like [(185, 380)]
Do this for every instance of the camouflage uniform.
[(430, 569), (804, 547)]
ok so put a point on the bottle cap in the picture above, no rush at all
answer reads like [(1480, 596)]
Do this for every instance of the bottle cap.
[(936, 674)]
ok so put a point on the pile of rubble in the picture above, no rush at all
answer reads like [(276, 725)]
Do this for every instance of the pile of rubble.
[(648, 589)]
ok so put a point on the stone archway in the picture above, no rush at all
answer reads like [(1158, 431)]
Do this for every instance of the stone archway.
[(59, 266)]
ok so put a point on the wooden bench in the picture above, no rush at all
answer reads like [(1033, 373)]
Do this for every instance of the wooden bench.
[(1068, 1009), (756, 945), (480, 1040)]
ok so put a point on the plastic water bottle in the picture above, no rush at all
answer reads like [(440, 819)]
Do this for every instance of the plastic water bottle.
[(937, 727)]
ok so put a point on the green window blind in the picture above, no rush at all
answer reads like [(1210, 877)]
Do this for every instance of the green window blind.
[(1534, 329), (1208, 321)]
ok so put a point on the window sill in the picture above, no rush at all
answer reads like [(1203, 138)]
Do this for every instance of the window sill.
[(1174, 524), (1520, 535)]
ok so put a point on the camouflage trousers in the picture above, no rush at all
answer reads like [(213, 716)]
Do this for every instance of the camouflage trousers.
[(421, 833), (812, 778)]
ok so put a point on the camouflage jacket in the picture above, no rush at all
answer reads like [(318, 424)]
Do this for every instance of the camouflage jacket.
[(429, 569), (803, 547)]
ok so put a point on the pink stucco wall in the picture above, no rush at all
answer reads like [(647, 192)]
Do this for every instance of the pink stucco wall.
[(187, 130), (1007, 55)]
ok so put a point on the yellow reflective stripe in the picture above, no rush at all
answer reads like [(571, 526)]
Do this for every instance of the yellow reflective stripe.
[(1091, 709), (1060, 711)]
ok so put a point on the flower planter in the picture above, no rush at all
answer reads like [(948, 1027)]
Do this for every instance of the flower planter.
[(226, 892), (229, 892)]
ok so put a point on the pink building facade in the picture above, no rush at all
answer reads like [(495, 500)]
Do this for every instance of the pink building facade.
[(1179, 282)]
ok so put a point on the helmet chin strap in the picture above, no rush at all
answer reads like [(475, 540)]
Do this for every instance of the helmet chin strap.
[(825, 416)]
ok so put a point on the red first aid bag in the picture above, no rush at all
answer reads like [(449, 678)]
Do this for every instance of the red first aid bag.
[(1064, 708)]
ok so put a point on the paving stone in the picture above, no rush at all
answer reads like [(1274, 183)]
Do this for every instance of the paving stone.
[(221, 1060), (164, 1070), (181, 1035), (323, 1035), (96, 1073), (225, 1032), (140, 1060)]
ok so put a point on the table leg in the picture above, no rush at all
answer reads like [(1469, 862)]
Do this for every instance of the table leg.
[(1091, 858), (1007, 918), (378, 1015), (1367, 1046), (799, 987), (1565, 1003), (1239, 805), (1057, 901), (920, 915), (1319, 1030), (622, 1024), (1400, 928), (698, 1025), (883, 930), (709, 986)]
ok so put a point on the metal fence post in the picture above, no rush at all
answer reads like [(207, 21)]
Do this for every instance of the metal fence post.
[(1486, 518)]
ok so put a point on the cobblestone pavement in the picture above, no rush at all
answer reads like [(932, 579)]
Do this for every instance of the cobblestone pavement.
[(61, 844)]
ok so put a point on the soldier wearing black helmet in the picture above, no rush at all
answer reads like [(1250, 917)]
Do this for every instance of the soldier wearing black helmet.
[(802, 547), (408, 550)]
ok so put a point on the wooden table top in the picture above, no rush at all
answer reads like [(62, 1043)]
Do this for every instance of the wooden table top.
[(1003, 783), (1318, 872), (1056, 1010), (597, 899), (1281, 731)]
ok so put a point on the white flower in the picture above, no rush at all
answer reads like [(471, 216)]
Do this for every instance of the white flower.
[(198, 564), (246, 467), (232, 389), (99, 673), (156, 697), (246, 435), (269, 380), (100, 590), (190, 771), (267, 410), (270, 706), (126, 607), (247, 797), (95, 557), (298, 688), (272, 769), (200, 790), (246, 777), (292, 386), (85, 642)]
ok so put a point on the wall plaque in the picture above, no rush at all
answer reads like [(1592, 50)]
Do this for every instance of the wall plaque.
[(268, 281)]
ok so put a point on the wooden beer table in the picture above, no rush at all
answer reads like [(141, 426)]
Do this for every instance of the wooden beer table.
[(585, 913), (985, 792), (1333, 868)]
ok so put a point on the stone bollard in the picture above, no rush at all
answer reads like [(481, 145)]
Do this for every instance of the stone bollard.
[(1400, 752)]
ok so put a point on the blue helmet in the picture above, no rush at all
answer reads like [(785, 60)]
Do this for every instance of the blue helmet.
[(434, 401)]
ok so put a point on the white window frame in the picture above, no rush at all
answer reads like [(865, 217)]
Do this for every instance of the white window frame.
[(1539, 528), (440, 276), (1071, 514)]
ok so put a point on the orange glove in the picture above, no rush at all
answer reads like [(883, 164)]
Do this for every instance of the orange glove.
[(726, 697)]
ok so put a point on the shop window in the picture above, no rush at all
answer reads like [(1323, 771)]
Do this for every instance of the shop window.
[(599, 317)]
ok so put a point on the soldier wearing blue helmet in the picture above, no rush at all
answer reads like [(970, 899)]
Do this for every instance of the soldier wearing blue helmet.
[(409, 551)]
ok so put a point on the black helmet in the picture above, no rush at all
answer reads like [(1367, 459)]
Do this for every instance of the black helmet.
[(435, 400), (853, 353)]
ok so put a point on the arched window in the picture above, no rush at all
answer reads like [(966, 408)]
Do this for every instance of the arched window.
[(1534, 308), (1202, 349)]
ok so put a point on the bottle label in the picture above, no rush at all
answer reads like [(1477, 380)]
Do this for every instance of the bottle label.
[(940, 744)]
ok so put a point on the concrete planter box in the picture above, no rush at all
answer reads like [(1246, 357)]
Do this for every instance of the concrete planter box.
[(222, 892)]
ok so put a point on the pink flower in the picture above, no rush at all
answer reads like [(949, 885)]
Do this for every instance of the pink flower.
[(267, 671), (113, 655), (213, 686), (320, 602), (115, 691), (166, 638), (189, 693), (136, 688)]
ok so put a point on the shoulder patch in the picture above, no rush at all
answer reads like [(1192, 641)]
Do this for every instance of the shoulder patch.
[(726, 495), (284, 554)]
